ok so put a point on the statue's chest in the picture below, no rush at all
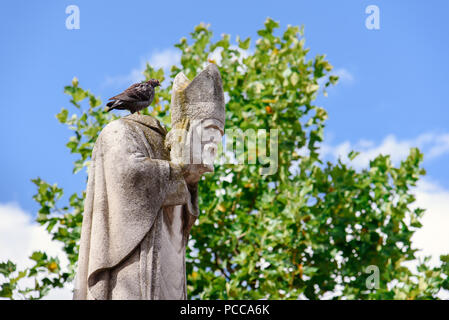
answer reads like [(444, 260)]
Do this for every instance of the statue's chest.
[(157, 145)]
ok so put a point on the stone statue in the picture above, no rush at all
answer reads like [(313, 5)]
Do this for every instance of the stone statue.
[(142, 195)]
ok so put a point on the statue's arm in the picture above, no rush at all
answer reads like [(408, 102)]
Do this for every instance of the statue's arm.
[(179, 191)]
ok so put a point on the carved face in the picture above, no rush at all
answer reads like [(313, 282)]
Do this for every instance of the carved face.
[(205, 138)]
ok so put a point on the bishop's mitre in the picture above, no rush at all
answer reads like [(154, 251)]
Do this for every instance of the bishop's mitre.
[(199, 99)]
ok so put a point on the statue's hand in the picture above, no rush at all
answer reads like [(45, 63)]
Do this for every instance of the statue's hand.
[(193, 172)]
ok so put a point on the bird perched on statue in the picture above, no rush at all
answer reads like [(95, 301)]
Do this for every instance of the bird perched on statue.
[(135, 98)]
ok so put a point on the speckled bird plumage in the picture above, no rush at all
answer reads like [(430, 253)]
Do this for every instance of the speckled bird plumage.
[(135, 98)]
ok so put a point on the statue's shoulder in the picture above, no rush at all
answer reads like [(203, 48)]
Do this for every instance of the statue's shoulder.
[(147, 121), (113, 126), (131, 123)]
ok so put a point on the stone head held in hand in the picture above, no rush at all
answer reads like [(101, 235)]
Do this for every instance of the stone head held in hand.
[(198, 119)]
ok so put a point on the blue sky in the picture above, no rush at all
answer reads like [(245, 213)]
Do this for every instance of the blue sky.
[(392, 94)]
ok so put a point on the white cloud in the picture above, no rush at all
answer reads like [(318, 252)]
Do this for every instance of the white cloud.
[(440, 148), (433, 237), (345, 76), (158, 59), (20, 236), (433, 145), (165, 59)]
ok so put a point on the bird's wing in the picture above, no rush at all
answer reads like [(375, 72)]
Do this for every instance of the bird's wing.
[(131, 94), (147, 94)]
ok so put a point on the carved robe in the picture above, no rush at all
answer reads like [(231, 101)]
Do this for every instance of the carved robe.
[(137, 216)]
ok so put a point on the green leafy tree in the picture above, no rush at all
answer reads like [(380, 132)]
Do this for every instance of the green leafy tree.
[(310, 229)]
